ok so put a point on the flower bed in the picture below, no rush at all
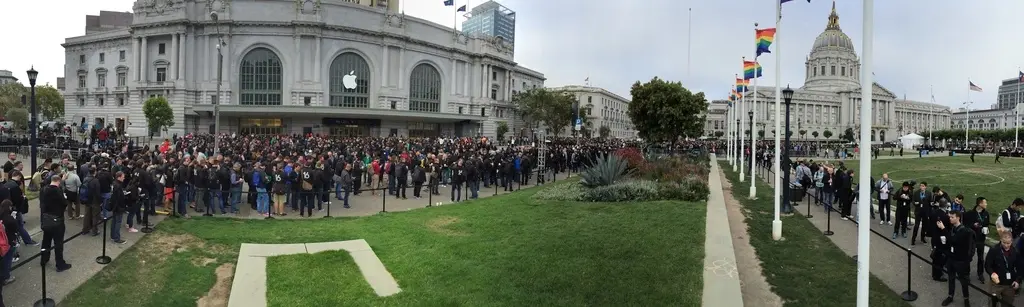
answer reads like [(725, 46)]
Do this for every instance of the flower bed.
[(644, 179)]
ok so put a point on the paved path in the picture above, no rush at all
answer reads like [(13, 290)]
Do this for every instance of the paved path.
[(82, 252), (721, 280), (889, 260)]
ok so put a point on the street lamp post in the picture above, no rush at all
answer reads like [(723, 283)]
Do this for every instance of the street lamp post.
[(33, 126), (739, 150), (220, 68), (787, 95), (753, 155)]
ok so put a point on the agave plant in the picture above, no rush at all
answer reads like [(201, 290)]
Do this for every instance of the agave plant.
[(604, 172)]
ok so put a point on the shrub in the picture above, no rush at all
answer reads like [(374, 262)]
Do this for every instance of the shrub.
[(568, 192), (635, 190), (604, 172), (633, 157)]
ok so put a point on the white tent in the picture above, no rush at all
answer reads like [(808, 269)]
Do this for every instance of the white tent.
[(911, 140)]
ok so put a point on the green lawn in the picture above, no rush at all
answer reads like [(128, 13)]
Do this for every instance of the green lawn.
[(508, 250), (998, 183), (805, 269)]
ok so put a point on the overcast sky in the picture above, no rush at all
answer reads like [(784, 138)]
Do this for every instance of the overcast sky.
[(918, 43)]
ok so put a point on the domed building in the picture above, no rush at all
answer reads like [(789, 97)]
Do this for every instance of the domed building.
[(335, 67), (830, 98)]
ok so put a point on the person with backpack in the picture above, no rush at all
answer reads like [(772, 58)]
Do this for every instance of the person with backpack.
[(8, 241), (14, 184), (305, 185), (88, 196), (117, 204), (53, 204)]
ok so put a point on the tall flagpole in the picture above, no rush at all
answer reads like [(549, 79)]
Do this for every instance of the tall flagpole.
[(864, 184), (743, 123), (730, 137), (753, 121), (777, 222), (689, 40), (735, 134), (931, 117), (967, 132), (1016, 116)]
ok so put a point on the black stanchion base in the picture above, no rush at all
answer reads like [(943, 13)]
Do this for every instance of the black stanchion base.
[(828, 233), (327, 216), (207, 214), (46, 302), (146, 229), (268, 218), (854, 258), (909, 295), (103, 259), (809, 216)]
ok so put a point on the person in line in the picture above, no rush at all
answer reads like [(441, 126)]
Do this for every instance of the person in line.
[(401, 177), (346, 184), (53, 203), (458, 178), (846, 195), (960, 243), (261, 180), (306, 195), (1007, 221), (7, 214), (279, 187), (922, 203), (939, 258), (1002, 264), (71, 183), (117, 207), (903, 199), (89, 195), (14, 185), (977, 220), (884, 188)]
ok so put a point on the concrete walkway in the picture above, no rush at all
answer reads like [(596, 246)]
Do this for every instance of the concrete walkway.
[(82, 252), (721, 280), (249, 288), (889, 260)]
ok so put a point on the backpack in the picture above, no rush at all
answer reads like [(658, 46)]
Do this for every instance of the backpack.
[(5, 245), (84, 192)]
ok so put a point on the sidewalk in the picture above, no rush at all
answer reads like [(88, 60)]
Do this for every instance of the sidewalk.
[(721, 280), (82, 251), (889, 261)]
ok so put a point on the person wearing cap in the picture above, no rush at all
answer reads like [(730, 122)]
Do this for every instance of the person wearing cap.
[(53, 203)]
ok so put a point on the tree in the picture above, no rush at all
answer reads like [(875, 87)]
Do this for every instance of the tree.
[(502, 130), (747, 132), (760, 133), (553, 109), (814, 134), (665, 111), (802, 133), (158, 113), (719, 134), (848, 135), (13, 89), (50, 102), (827, 134), (19, 116), (604, 131)]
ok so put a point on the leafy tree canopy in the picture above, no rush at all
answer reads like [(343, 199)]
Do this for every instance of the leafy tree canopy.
[(19, 116), (664, 111), (543, 106), (50, 102), (158, 113)]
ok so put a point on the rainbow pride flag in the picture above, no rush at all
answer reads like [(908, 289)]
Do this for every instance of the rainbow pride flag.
[(764, 39), (751, 69), (741, 85), (736, 95)]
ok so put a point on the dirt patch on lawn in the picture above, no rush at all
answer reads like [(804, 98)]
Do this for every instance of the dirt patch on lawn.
[(440, 225), (201, 262), (221, 290), (752, 282)]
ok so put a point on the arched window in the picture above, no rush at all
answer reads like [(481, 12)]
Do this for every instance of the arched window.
[(260, 78), (425, 89), (341, 96)]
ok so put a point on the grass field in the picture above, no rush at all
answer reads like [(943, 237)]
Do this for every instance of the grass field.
[(805, 269), (998, 183), (508, 250)]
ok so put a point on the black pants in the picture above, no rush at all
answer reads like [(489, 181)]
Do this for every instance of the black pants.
[(920, 222), (846, 201), (357, 183), (401, 185), (979, 250), (938, 263), (884, 210), (959, 270), (902, 219), (416, 187), (54, 238)]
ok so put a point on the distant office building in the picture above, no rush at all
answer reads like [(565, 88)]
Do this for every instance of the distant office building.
[(491, 19), (107, 21), (601, 108), (1008, 90), (7, 77)]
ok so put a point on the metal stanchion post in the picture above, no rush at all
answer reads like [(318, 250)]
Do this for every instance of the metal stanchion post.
[(430, 195), (206, 199), (146, 227), (910, 295), (496, 187), (384, 203), (809, 204), (44, 301), (828, 223), (103, 258), (329, 202), (994, 299)]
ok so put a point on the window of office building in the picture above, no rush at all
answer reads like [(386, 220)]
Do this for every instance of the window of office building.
[(260, 78), (161, 74), (425, 89), (358, 97)]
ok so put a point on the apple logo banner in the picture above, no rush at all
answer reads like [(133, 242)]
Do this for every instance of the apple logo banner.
[(349, 80)]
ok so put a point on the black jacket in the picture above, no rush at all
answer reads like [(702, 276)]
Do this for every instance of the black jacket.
[(997, 262), (52, 200), (118, 198), (960, 242), (17, 196), (977, 221)]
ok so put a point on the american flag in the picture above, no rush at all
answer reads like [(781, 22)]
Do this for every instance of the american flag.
[(973, 87)]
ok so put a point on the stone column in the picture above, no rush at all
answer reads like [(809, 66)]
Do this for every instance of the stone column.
[(401, 68), (454, 75), (468, 68), (384, 82), (135, 59), (182, 50), (174, 57), (144, 65), (297, 67), (317, 70), (210, 57)]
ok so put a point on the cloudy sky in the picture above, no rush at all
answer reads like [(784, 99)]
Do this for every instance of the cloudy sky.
[(919, 44)]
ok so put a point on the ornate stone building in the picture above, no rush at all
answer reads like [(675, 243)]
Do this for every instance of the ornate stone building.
[(284, 66), (830, 97)]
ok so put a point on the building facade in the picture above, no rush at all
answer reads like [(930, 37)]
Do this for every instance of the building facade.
[(601, 108), (830, 97), (285, 66), (491, 19), (1010, 91), (992, 119), (6, 76), (715, 119)]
